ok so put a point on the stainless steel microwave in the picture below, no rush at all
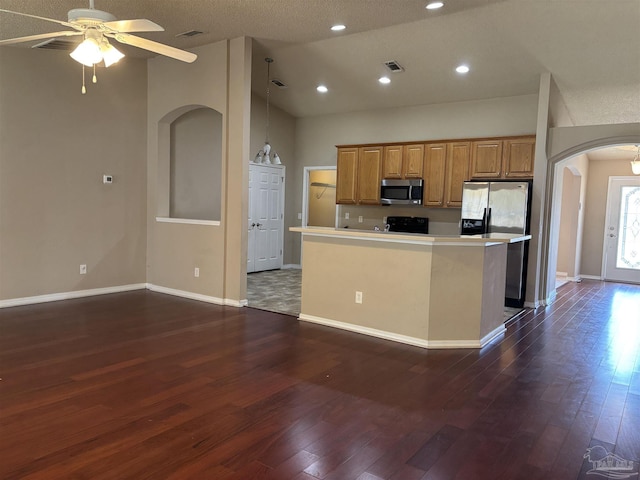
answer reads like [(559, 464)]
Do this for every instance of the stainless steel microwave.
[(401, 192)]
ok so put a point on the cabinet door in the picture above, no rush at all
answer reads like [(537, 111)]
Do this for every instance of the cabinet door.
[(434, 173), (346, 180), (486, 159), (517, 157), (458, 158), (369, 175), (412, 161), (392, 163)]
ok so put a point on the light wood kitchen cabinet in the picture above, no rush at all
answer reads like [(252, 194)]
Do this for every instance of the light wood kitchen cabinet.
[(446, 168), (486, 159), (458, 158), (500, 159), (403, 161), (392, 162), (412, 161), (346, 179), (369, 175), (517, 157), (359, 175), (434, 172)]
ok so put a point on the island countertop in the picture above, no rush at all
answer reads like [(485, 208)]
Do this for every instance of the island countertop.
[(413, 238)]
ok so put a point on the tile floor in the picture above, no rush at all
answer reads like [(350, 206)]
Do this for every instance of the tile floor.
[(279, 291)]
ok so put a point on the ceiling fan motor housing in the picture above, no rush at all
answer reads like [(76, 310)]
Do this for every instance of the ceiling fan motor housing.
[(89, 16)]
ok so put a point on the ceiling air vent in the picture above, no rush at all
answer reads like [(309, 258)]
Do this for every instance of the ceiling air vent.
[(57, 44), (190, 33), (278, 83), (393, 66)]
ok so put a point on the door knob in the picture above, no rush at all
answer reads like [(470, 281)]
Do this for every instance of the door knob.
[(612, 235)]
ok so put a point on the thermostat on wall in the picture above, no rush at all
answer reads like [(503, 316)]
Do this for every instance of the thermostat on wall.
[(107, 179)]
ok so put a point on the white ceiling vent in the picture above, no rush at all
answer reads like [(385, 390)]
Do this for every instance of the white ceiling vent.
[(57, 44), (278, 83), (393, 66)]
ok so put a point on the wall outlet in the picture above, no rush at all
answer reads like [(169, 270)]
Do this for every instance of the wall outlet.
[(360, 219), (346, 215), (299, 215), (358, 297), (196, 272), (83, 269), (107, 179)]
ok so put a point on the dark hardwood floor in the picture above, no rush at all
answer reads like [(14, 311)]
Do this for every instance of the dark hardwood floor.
[(142, 385)]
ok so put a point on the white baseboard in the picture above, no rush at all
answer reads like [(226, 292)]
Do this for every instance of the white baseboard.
[(561, 274), (185, 294), (417, 342), (592, 277), (289, 266), (533, 305), (55, 297)]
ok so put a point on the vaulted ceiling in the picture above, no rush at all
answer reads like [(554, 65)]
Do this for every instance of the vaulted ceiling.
[(591, 48)]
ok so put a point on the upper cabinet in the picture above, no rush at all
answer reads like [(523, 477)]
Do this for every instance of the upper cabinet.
[(359, 175), (507, 158), (403, 161), (517, 157), (346, 179), (369, 175), (446, 167)]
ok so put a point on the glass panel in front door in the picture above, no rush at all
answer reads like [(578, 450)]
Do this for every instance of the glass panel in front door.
[(629, 231)]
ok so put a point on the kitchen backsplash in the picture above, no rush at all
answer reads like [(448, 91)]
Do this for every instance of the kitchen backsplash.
[(442, 221)]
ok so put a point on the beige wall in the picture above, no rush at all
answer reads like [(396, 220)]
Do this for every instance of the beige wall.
[(322, 199), (570, 191), (196, 165), (55, 145), (595, 211), (282, 137), (217, 80)]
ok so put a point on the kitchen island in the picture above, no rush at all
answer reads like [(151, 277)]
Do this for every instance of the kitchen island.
[(426, 290)]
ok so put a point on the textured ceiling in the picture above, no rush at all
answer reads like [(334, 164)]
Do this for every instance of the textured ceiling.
[(590, 47)]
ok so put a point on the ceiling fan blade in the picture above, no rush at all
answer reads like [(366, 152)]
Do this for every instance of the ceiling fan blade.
[(138, 25), (42, 36), (60, 22), (155, 47)]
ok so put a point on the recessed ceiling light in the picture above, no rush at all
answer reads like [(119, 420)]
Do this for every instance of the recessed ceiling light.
[(434, 5), (462, 69), (322, 89), (384, 80), (337, 28)]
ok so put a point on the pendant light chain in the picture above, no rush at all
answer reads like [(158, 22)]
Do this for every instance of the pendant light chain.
[(84, 89)]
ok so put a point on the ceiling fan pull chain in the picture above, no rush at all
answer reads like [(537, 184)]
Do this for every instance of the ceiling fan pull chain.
[(84, 89), (95, 79)]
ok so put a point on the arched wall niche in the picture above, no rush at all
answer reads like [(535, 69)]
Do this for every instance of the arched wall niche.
[(190, 150)]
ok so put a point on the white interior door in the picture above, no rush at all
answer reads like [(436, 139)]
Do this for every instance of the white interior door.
[(621, 257), (266, 218)]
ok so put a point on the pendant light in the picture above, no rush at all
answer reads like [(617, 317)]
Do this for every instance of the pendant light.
[(635, 163), (264, 155)]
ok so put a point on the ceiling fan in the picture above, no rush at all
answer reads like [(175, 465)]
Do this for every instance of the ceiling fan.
[(96, 27)]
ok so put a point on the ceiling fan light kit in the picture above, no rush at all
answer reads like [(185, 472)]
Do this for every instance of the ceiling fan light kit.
[(96, 27)]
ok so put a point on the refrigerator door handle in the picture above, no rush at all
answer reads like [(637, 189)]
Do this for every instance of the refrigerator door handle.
[(487, 219)]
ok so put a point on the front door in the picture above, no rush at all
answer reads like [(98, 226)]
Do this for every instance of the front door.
[(622, 230), (266, 218)]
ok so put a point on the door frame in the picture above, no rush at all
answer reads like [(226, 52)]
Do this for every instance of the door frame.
[(605, 242)]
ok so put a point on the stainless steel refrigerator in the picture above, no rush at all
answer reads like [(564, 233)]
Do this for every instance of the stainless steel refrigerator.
[(501, 207)]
